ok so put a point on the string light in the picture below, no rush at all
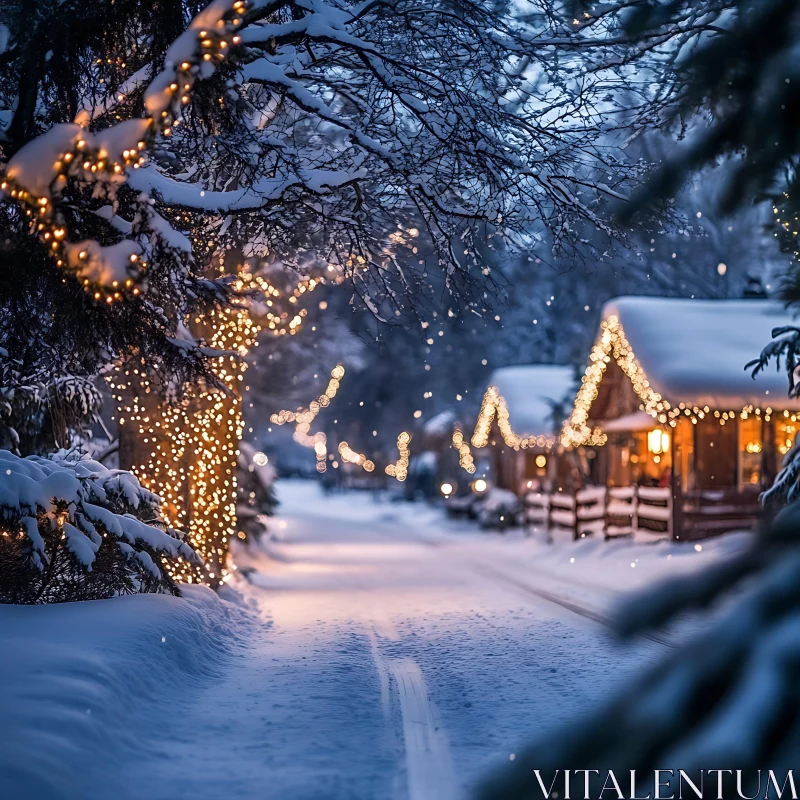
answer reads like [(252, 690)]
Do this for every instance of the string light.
[(306, 416), (613, 344), (107, 154), (399, 469), (494, 407), (283, 322), (465, 459), (350, 456), (193, 445), (320, 444)]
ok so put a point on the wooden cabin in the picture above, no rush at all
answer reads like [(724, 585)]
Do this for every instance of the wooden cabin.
[(520, 421), (666, 404)]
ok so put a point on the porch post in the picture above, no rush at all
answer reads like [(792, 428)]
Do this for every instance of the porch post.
[(677, 507)]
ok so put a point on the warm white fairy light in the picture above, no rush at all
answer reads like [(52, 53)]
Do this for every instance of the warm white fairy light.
[(304, 417), (350, 456), (399, 469), (307, 415), (465, 459), (272, 318), (195, 445), (495, 408), (613, 344), (89, 157), (320, 444)]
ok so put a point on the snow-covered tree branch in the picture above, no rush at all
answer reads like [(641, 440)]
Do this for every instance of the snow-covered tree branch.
[(74, 530)]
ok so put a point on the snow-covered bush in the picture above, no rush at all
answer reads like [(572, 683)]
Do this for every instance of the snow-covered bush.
[(255, 494), (498, 508), (75, 530), (40, 413)]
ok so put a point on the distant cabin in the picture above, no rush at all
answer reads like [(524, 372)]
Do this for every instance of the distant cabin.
[(666, 402), (520, 419)]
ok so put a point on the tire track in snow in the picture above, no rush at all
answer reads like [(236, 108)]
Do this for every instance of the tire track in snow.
[(429, 766), (551, 597), (430, 770), (569, 605)]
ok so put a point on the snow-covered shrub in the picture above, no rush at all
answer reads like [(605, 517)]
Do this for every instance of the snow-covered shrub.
[(498, 508), (255, 494), (75, 530), (40, 412)]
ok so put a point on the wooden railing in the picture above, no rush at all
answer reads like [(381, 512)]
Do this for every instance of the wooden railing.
[(709, 512), (600, 510)]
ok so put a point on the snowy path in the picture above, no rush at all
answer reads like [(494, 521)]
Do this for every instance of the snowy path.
[(386, 653), (394, 660)]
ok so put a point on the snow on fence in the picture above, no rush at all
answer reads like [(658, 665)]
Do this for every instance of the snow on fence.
[(610, 511), (621, 505)]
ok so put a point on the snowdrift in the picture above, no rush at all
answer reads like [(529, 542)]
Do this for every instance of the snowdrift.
[(79, 683)]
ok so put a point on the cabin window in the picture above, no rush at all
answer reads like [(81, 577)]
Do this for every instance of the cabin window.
[(535, 465), (652, 457), (785, 433), (751, 445)]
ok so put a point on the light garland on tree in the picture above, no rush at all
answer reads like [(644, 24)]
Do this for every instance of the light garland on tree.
[(318, 441), (304, 417), (320, 444), (350, 456), (107, 271), (282, 323), (399, 469), (195, 444), (307, 415)]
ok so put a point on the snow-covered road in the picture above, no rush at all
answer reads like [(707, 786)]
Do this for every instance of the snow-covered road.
[(385, 653), (397, 658)]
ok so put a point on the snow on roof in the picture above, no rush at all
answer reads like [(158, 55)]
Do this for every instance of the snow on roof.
[(440, 423), (637, 421), (694, 351), (530, 391)]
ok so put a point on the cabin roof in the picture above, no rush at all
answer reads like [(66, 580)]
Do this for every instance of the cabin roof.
[(694, 351), (530, 392)]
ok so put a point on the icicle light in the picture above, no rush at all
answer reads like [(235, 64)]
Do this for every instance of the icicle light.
[(613, 344)]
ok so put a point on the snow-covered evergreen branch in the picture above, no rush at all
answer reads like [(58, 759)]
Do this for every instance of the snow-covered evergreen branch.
[(73, 529)]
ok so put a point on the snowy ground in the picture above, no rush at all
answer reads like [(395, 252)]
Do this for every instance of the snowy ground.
[(374, 650)]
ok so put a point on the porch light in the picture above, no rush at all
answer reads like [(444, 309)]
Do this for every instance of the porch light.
[(446, 489), (753, 447), (541, 461), (657, 441)]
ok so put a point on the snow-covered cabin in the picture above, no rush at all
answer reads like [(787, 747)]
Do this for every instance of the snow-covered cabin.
[(522, 413), (666, 401)]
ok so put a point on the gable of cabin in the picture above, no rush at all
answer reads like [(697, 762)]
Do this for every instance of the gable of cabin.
[(615, 396)]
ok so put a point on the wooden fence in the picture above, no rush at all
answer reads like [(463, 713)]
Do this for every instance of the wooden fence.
[(600, 510)]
